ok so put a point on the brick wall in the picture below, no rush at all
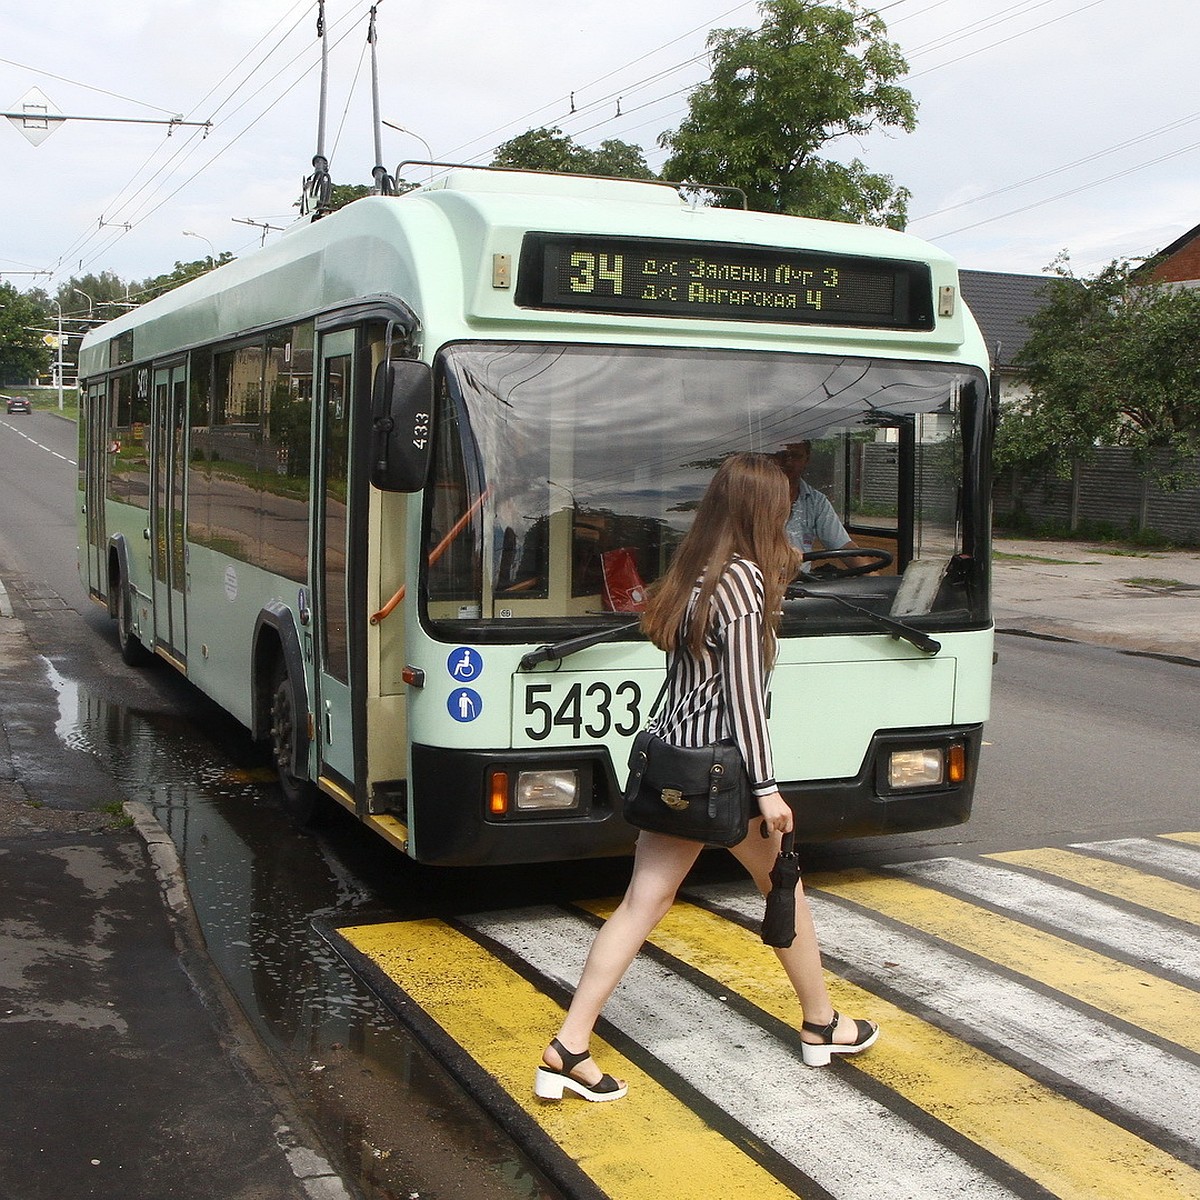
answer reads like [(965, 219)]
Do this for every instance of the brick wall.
[(1183, 266)]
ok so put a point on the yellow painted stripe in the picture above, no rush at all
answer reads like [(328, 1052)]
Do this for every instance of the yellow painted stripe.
[(1072, 1152), (1191, 838), (1129, 993), (647, 1145), (1112, 879)]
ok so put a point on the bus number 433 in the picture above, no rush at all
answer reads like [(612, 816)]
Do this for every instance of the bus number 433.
[(595, 710)]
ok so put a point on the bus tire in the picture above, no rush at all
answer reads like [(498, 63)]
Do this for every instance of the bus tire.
[(302, 799), (133, 653)]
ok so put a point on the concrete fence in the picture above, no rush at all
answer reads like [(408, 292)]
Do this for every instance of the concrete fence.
[(1113, 493)]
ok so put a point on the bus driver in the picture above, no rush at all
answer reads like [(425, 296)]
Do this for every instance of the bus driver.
[(812, 517)]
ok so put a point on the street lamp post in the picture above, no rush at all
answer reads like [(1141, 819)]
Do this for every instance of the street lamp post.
[(81, 292), (405, 129), (212, 259)]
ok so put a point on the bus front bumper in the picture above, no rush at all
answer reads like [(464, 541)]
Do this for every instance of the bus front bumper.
[(452, 823)]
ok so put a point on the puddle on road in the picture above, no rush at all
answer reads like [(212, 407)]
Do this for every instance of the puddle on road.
[(398, 1125)]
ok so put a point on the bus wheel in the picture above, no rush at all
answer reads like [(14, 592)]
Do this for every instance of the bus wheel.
[(302, 799), (133, 653)]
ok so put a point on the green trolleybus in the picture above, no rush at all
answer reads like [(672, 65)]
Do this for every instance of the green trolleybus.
[(391, 489)]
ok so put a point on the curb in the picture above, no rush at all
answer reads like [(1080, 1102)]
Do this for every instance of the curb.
[(313, 1171)]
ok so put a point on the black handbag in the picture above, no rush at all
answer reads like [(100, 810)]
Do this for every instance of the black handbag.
[(701, 794)]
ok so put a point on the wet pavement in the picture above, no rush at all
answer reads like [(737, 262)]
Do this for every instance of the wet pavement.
[(169, 1017), (123, 1069), (340, 1089)]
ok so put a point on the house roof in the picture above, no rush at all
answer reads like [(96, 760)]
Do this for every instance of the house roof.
[(1002, 304), (1179, 243)]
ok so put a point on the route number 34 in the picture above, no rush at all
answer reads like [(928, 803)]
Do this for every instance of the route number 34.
[(593, 710)]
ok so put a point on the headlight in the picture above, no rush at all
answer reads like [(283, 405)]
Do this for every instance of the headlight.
[(543, 792), (539, 790), (930, 767)]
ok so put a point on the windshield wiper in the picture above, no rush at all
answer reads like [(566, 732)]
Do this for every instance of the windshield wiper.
[(897, 629), (560, 650)]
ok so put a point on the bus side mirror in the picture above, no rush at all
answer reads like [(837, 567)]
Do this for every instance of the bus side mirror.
[(401, 425)]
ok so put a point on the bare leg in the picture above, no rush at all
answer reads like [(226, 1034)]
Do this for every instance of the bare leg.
[(659, 866), (802, 959)]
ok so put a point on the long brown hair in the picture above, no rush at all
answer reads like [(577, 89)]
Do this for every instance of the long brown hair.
[(743, 513)]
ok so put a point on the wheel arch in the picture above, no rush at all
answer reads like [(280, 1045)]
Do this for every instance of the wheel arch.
[(118, 571), (276, 639)]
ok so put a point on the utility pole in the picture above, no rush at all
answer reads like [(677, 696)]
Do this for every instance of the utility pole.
[(258, 225), (58, 370), (36, 117)]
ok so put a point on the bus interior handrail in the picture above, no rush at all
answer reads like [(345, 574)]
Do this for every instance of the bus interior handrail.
[(434, 554)]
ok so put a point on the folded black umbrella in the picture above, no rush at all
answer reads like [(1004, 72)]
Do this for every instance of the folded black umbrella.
[(779, 920)]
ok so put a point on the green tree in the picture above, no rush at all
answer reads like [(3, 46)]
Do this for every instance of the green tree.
[(346, 193), (342, 194), (549, 149), (106, 292), (23, 354), (777, 96), (1111, 360), (183, 272)]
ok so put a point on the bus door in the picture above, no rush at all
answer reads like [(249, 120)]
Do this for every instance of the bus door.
[(94, 454), (331, 531), (168, 472)]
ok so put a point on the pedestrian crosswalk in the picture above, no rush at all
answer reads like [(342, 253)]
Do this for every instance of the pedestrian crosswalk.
[(1040, 1014)]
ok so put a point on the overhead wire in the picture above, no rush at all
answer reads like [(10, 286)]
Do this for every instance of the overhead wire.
[(149, 206), (607, 75), (1170, 127), (1025, 8), (148, 211), (974, 28), (8, 62), (1083, 187), (116, 207)]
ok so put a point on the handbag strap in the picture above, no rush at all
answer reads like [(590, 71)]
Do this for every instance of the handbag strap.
[(672, 667)]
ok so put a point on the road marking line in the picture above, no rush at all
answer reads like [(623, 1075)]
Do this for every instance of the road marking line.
[(1149, 852), (648, 1145), (1151, 1085), (1159, 945), (1134, 995), (1072, 1152), (1111, 879), (849, 1143), (39, 445)]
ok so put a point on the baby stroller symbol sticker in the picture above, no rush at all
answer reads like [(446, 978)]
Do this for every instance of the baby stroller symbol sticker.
[(464, 704), (464, 664)]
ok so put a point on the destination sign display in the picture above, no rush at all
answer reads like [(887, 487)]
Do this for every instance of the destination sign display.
[(654, 277)]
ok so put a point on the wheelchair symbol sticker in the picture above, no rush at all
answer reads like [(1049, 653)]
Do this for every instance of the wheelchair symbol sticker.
[(464, 704), (464, 664)]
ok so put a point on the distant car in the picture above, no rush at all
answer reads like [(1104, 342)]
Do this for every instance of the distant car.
[(17, 404)]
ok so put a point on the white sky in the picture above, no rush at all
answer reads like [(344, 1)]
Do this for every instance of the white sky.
[(1044, 125)]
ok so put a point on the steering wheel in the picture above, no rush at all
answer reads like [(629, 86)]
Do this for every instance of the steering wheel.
[(880, 559)]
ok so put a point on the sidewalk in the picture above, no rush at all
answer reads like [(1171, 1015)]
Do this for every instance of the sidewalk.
[(1105, 595), (124, 1068)]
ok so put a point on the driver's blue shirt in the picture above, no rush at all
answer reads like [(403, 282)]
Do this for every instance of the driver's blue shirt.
[(812, 520)]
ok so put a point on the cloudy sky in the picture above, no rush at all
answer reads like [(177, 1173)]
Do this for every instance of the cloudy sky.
[(1044, 125)]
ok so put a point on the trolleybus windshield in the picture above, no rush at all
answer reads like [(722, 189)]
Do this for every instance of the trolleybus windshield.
[(565, 475)]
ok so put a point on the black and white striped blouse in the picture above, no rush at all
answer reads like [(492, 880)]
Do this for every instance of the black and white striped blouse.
[(722, 693)]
